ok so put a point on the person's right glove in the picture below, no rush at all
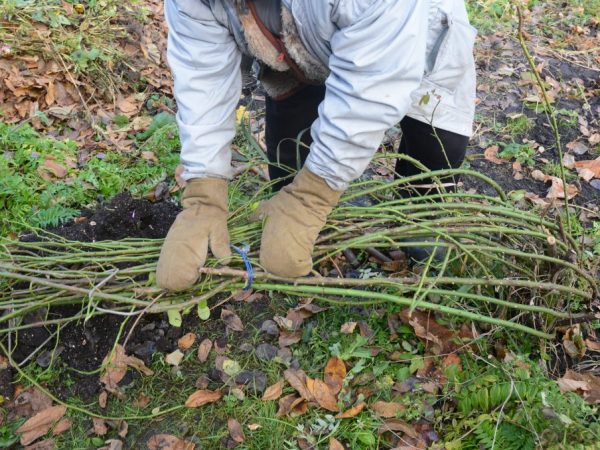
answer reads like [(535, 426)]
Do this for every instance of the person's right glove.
[(293, 219), (202, 222)]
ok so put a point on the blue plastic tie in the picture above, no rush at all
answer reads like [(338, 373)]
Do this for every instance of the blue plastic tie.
[(249, 269)]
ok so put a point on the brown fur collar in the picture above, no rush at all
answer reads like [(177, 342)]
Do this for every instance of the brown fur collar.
[(313, 69)]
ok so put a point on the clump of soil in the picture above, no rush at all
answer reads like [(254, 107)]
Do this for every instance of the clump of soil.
[(123, 217)]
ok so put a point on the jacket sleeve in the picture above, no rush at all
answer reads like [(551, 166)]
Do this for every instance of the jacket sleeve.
[(377, 61), (205, 62)]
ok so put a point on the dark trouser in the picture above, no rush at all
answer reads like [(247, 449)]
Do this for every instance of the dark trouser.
[(290, 119)]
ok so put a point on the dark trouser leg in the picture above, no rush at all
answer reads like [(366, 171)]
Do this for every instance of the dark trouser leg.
[(446, 150), (286, 120)]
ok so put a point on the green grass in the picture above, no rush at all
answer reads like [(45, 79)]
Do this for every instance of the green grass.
[(473, 402), (27, 198)]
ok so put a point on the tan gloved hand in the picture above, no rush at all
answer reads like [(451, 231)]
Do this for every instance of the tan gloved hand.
[(293, 219), (202, 222)]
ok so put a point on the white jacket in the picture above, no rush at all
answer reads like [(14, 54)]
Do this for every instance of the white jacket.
[(388, 59)]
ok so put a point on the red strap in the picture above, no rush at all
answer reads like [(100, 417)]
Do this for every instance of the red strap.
[(278, 44)]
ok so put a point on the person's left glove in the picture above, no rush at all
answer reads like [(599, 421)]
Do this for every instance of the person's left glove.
[(202, 222), (293, 219)]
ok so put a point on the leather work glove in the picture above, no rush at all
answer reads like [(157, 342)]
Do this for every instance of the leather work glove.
[(293, 219), (202, 222)]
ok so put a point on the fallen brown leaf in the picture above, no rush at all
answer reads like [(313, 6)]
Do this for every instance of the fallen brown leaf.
[(204, 350), (440, 338), (334, 374), (387, 409), (557, 190), (334, 444), (202, 397), (585, 384), (99, 426), (273, 392), (168, 442), (287, 338), (321, 393), (354, 411), (128, 106), (398, 425), (29, 402), (186, 341), (115, 367), (452, 360), (47, 444), (174, 358), (591, 165), (141, 401), (232, 321), (123, 428), (103, 399), (592, 345), (292, 405), (38, 425), (491, 154), (235, 430), (51, 169), (62, 426), (149, 156), (348, 327), (297, 379)]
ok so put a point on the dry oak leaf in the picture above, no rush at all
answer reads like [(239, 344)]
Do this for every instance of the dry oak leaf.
[(168, 442), (334, 444), (38, 425), (186, 341), (584, 384), (274, 391), (235, 430), (429, 330), (387, 409), (292, 405), (322, 394), (232, 321), (354, 411), (115, 367), (204, 350), (334, 374), (297, 379), (202, 397)]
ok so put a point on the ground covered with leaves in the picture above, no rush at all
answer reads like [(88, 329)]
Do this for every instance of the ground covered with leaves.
[(88, 149)]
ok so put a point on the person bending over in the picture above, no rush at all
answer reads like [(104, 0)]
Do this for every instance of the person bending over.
[(348, 70)]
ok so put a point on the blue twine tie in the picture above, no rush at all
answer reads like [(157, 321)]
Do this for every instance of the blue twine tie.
[(248, 264)]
